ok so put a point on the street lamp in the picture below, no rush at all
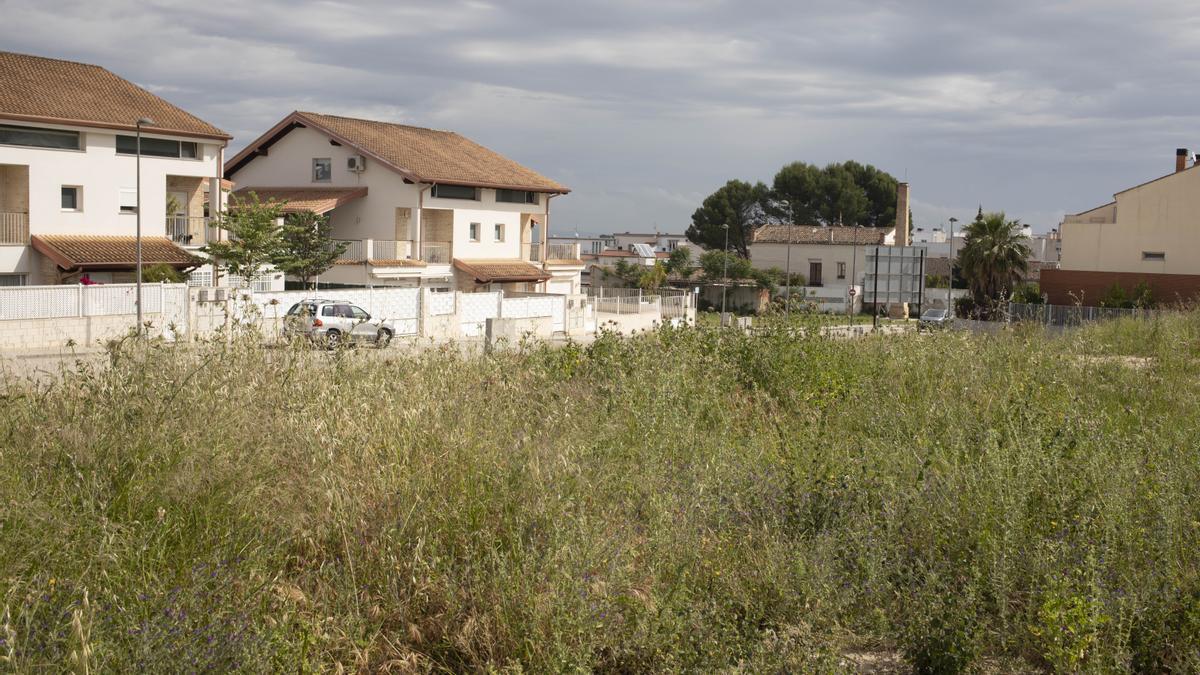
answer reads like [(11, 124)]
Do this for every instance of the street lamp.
[(854, 273), (950, 281), (142, 121), (787, 273), (725, 287)]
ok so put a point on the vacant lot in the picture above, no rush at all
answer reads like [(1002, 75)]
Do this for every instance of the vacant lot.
[(680, 501)]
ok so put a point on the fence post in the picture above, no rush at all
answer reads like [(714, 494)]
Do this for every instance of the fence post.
[(82, 300)]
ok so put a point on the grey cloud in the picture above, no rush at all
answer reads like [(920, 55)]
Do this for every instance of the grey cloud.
[(1032, 107)]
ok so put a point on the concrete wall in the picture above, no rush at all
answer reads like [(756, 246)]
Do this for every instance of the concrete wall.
[(84, 332), (766, 256), (1162, 216)]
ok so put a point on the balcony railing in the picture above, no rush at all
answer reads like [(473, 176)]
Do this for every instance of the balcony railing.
[(563, 252), (192, 230), (14, 228), (385, 249), (436, 252), (355, 252), (531, 251)]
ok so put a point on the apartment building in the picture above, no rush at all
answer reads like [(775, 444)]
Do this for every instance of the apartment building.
[(417, 207), (1148, 233), (69, 175)]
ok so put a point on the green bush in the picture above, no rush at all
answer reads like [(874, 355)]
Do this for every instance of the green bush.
[(1116, 297), (161, 274)]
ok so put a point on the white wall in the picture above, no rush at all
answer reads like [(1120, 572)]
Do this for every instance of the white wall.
[(102, 174), (288, 163)]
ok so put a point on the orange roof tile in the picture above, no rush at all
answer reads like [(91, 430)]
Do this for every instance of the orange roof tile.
[(801, 234), (487, 271), (317, 200), (422, 155), (87, 252), (37, 89)]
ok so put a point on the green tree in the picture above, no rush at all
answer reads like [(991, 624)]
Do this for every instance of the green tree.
[(254, 237), (738, 204), (1028, 294), (627, 272), (715, 265), (306, 246), (652, 278), (680, 262), (1143, 296), (162, 273), (1116, 297), (994, 258), (848, 193)]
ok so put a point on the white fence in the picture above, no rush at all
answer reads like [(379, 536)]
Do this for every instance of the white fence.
[(56, 302), (401, 307)]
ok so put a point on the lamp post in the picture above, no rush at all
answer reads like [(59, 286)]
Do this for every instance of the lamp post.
[(787, 273), (725, 273), (950, 281), (853, 273), (142, 121)]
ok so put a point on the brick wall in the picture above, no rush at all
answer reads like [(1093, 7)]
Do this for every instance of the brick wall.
[(1067, 287)]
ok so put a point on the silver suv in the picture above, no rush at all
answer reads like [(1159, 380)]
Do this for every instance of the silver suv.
[(332, 322)]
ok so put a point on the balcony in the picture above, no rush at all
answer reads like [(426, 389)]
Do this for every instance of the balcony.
[(14, 229), (384, 251), (531, 251), (192, 230), (565, 252), (435, 252)]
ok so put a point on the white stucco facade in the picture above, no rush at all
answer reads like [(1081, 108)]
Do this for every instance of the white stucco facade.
[(32, 181), (403, 217)]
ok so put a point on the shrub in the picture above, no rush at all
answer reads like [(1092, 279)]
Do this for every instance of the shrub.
[(1028, 294), (161, 274), (1116, 297)]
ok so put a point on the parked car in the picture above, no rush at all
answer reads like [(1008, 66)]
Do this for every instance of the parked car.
[(332, 322), (934, 318)]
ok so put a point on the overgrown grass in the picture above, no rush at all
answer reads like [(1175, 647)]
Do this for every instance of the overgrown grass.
[(685, 500)]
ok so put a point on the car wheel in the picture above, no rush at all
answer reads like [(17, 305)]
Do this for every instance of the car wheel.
[(333, 339), (383, 338)]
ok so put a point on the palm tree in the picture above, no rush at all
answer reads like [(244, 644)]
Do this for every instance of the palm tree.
[(994, 257)]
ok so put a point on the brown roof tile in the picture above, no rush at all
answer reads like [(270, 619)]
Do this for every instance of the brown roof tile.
[(33, 88), (487, 271), (87, 252), (317, 200), (425, 155), (801, 234)]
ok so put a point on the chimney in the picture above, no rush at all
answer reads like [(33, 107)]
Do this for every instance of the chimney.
[(1181, 157), (903, 237)]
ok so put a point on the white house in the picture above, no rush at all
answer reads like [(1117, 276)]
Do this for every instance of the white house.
[(69, 181), (419, 207)]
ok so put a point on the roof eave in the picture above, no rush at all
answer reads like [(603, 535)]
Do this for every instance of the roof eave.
[(116, 127)]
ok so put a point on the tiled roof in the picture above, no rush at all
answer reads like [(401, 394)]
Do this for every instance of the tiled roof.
[(33, 88), (487, 271), (317, 200), (801, 234), (423, 155), (87, 252)]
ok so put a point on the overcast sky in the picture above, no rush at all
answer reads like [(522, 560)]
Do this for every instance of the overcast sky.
[(1034, 107)]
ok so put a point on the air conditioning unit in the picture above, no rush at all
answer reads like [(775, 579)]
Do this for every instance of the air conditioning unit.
[(356, 163)]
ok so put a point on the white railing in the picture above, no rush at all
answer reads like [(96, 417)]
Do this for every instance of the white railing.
[(56, 302), (386, 249), (437, 252), (191, 230), (356, 252), (563, 252), (531, 251), (14, 228), (625, 301)]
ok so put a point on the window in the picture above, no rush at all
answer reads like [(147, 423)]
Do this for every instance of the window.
[(157, 147), (814, 273), (1153, 255), (40, 138), (498, 232), (322, 170), (455, 192), (473, 231), (516, 196), (70, 198), (841, 270), (359, 313), (12, 280), (128, 200)]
